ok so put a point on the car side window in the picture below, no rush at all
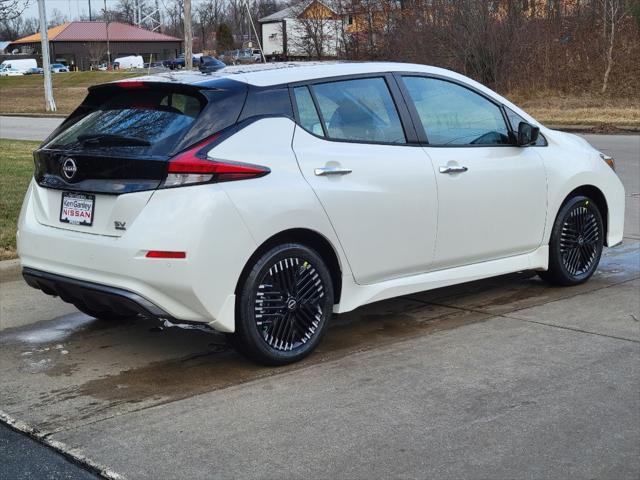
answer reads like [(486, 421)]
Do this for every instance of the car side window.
[(454, 115), (309, 118), (515, 119), (359, 110)]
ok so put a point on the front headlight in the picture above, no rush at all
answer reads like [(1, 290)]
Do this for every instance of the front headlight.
[(609, 161)]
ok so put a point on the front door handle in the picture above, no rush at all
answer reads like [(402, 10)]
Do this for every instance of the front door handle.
[(321, 172), (453, 169)]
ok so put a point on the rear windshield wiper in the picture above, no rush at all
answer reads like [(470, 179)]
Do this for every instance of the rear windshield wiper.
[(108, 139)]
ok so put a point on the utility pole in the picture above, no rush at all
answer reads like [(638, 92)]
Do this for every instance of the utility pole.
[(106, 19), (246, 4), (50, 103), (159, 26), (188, 36), (90, 11)]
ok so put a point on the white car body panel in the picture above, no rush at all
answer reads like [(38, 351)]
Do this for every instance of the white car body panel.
[(108, 209), (364, 205), (183, 288), (394, 230), (496, 209), (355, 295)]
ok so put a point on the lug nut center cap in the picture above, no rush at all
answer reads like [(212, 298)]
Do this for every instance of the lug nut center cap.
[(292, 304)]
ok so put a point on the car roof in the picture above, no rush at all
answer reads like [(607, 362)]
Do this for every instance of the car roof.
[(280, 73), (267, 74)]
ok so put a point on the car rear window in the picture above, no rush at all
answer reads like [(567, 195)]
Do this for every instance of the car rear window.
[(146, 121)]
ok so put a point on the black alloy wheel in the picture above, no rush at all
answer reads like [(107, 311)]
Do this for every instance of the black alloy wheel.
[(285, 306), (576, 242)]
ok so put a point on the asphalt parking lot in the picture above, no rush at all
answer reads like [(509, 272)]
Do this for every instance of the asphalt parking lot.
[(503, 378)]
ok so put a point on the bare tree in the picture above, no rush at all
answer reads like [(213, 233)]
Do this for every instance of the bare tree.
[(17, 27), (173, 18), (613, 13), (97, 51), (125, 11), (10, 9), (56, 18), (208, 15), (314, 29)]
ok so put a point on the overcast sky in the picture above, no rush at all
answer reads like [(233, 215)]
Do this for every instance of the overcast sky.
[(72, 9)]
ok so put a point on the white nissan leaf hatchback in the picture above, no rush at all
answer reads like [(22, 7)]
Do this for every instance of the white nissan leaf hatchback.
[(259, 200)]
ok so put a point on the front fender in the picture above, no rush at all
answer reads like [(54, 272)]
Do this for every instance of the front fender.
[(571, 163)]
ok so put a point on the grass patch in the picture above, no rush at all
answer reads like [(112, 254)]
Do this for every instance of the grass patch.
[(596, 110), (16, 170), (25, 94)]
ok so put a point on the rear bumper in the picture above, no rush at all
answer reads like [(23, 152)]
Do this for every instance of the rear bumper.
[(100, 297), (199, 288)]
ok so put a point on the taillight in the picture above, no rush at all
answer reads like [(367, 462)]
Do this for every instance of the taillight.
[(192, 167), (130, 84)]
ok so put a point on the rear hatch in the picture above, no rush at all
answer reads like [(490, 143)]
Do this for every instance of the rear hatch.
[(101, 166)]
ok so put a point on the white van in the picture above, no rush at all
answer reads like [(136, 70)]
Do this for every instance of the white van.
[(21, 65), (132, 61)]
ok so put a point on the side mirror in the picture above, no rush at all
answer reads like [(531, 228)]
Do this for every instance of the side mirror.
[(527, 134)]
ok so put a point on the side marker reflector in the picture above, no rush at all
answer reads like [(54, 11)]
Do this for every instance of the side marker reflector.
[(165, 254)]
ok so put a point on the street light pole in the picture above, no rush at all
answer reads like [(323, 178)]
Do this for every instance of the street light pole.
[(50, 103), (188, 36)]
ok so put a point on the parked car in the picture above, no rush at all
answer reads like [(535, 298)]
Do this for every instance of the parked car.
[(178, 62), (154, 65), (261, 203), (131, 61), (21, 64), (58, 68), (242, 56), (34, 71), (207, 63), (10, 72)]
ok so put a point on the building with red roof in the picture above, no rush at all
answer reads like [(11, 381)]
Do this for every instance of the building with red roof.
[(84, 44)]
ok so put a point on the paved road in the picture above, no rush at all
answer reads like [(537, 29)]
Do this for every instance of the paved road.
[(503, 378), (27, 128), (26, 459)]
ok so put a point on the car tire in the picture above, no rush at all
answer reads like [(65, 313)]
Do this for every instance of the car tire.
[(576, 243), (106, 315), (284, 305)]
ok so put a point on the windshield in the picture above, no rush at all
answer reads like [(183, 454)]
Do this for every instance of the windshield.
[(137, 121)]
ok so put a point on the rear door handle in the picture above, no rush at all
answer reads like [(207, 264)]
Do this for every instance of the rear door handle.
[(453, 169), (322, 172)]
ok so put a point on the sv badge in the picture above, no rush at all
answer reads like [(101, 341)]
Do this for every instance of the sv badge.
[(120, 225)]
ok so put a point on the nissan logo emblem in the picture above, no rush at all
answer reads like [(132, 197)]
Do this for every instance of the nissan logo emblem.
[(69, 168)]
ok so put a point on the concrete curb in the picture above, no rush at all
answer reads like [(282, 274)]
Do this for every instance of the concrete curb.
[(73, 455), (10, 270)]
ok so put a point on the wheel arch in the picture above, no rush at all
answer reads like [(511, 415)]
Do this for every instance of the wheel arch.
[(309, 238), (595, 194)]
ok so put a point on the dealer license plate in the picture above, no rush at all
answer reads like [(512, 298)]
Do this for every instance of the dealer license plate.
[(77, 208)]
